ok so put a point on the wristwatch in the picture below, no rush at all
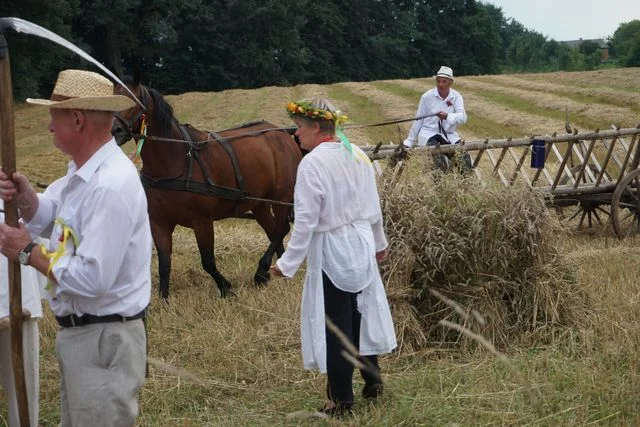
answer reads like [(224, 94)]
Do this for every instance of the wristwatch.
[(25, 254)]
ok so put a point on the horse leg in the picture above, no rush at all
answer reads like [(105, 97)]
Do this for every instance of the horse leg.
[(263, 216), (162, 237), (276, 227), (281, 214), (206, 239)]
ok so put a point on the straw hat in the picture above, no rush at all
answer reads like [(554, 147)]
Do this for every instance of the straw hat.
[(84, 90), (445, 72)]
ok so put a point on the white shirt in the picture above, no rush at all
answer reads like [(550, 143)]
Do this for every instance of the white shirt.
[(31, 282), (105, 205), (338, 228), (430, 104)]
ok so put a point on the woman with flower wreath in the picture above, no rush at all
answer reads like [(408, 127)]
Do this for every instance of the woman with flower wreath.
[(338, 228)]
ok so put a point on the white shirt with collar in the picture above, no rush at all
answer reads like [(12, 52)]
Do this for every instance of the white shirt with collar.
[(430, 104), (103, 202)]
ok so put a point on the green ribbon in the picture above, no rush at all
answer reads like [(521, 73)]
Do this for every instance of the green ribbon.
[(344, 139), (139, 149)]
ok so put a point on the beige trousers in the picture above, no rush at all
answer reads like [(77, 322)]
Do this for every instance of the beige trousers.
[(30, 345), (102, 368)]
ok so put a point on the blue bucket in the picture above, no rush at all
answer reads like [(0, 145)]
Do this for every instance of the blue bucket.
[(537, 153)]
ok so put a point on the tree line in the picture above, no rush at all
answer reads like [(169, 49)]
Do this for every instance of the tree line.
[(212, 45)]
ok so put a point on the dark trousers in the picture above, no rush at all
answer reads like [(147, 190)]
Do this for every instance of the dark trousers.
[(341, 308), (445, 161)]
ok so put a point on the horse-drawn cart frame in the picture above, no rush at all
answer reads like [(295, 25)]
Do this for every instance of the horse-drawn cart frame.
[(581, 173)]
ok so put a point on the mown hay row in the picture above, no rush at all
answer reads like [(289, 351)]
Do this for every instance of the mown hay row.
[(488, 248), (598, 115), (618, 78), (603, 95), (221, 110), (392, 106)]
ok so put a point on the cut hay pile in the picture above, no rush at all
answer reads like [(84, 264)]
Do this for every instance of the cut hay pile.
[(488, 252)]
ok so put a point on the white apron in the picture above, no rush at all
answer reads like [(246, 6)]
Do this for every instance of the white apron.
[(377, 335)]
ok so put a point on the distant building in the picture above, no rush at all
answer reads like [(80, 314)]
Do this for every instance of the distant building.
[(603, 47)]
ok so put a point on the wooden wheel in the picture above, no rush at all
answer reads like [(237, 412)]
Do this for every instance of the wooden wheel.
[(588, 209), (625, 205)]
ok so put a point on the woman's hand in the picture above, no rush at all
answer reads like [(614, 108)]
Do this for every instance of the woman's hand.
[(380, 256), (275, 271)]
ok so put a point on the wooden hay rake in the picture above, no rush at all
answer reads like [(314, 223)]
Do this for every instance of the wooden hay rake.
[(581, 173)]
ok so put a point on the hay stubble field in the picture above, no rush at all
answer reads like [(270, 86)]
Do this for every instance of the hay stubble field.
[(241, 356)]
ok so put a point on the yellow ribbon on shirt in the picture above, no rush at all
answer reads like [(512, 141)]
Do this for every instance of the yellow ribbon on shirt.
[(55, 255)]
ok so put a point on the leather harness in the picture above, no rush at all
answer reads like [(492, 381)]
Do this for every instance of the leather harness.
[(208, 187)]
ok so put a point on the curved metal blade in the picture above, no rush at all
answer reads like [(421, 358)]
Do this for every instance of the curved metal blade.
[(26, 27)]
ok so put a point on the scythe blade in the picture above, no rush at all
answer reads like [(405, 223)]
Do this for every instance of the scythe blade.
[(21, 26)]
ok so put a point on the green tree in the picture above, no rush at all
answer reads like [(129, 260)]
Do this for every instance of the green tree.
[(570, 59), (588, 47), (130, 32), (35, 62), (633, 57), (624, 40)]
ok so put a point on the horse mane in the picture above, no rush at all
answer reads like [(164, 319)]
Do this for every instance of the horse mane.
[(162, 111)]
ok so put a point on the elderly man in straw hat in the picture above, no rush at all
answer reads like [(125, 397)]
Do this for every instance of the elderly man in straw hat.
[(98, 258), (444, 108)]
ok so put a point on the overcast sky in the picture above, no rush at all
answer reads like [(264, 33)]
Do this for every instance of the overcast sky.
[(570, 19)]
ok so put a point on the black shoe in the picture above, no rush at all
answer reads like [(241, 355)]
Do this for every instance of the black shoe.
[(372, 391)]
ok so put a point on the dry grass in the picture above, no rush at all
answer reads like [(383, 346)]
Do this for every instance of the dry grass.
[(484, 246), (621, 78), (237, 361), (389, 106), (552, 105), (605, 95)]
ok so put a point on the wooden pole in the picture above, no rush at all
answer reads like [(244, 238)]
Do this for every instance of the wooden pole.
[(8, 154), (387, 150)]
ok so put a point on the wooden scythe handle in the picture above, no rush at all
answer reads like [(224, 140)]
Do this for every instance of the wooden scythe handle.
[(8, 155)]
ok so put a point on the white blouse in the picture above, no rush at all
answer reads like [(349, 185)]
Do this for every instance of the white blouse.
[(338, 228)]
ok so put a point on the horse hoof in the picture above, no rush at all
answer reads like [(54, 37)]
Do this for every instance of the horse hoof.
[(227, 292), (261, 280)]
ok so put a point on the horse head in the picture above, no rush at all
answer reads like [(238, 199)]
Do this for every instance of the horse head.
[(130, 123), (156, 113)]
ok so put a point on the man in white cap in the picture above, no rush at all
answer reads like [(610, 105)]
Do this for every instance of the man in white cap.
[(98, 257), (444, 111)]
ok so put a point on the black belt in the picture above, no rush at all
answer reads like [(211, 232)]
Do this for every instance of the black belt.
[(72, 320)]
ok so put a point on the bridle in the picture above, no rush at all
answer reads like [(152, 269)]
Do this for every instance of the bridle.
[(139, 116)]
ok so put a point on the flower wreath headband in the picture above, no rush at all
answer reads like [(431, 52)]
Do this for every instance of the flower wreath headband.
[(306, 110)]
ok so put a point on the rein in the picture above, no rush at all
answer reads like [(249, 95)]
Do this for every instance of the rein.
[(289, 130), (202, 188)]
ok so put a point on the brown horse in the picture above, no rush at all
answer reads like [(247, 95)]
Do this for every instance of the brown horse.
[(193, 178)]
